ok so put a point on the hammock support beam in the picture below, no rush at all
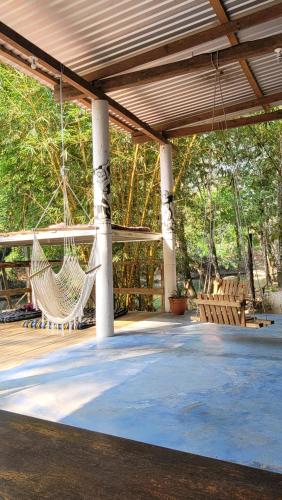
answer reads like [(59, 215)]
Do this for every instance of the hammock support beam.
[(82, 234)]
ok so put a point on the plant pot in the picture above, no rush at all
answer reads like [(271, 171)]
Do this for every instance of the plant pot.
[(178, 305)]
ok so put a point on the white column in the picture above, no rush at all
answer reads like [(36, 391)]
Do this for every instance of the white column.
[(102, 213), (168, 222)]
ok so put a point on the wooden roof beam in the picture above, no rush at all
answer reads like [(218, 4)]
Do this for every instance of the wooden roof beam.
[(254, 48), (15, 60), (188, 42), (51, 64), (69, 93), (208, 114), (234, 40), (222, 125)]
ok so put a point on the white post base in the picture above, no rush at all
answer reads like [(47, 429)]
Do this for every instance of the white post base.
[(104, 283)]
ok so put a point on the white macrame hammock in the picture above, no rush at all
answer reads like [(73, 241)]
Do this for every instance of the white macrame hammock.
[(62, 296)]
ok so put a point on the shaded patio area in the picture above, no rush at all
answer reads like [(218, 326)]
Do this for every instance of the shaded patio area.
[(200, 388)]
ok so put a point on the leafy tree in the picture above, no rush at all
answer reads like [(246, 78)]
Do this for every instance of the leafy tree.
[(226, 184)]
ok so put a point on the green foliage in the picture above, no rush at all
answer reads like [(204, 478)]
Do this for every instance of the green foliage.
[(204, 170), (179, 292)]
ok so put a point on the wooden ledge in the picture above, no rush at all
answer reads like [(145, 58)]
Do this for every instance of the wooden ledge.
[(219, 302), (40, 459)]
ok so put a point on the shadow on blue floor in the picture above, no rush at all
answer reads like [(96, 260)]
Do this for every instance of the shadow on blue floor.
[(206, 389)]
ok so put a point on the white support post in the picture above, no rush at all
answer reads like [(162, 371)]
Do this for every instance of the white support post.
[(102, 213), (169, 254)]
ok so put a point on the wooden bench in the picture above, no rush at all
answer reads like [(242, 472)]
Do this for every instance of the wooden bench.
[(223, 309), (228, 306), (234, 287)]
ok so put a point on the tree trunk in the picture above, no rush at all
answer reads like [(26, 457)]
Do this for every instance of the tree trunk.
[(213, 253), (238, 246), (251, 266), (263, 240), (279, 216), (186, 269), (237, 227), (270, 258)]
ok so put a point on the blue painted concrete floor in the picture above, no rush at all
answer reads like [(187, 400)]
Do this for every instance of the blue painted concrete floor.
[(206, 389)]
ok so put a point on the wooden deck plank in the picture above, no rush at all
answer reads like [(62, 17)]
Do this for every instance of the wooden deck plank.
[(40, 459), (19, 344)]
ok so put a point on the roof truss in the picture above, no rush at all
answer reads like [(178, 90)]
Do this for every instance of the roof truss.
[(18, 50), (233, 39), (189, 41), (217, 112), (194, 64), (226, 124)]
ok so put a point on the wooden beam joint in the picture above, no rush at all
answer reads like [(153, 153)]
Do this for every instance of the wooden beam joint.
[(253, 48)]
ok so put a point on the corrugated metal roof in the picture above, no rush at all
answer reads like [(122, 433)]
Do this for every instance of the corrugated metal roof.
[(184, 95), (87, 34), (268, 73), (84, 33)]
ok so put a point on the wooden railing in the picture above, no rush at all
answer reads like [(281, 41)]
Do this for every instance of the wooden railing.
[(125, 272), (145, 270), (6, 292)]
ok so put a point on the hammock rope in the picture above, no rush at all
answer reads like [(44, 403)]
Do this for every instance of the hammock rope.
[(62, 296)]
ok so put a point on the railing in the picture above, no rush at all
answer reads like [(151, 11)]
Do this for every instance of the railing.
[(131, 278), (139, 278), (6, 292)]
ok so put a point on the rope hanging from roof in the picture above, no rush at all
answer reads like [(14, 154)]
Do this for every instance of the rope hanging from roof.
[(239, 213), (208, 284), (62, 296)]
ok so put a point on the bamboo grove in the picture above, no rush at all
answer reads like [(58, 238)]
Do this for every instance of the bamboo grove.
[(228, 184)]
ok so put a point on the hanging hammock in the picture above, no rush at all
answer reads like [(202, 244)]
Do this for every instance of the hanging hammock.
[(62, 296)]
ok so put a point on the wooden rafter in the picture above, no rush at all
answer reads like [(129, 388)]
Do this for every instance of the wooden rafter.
[(219, 111), (187, 42), (233, 39), (51, 64), (222, 125), (208, 114), (194, 64), (69, 93), (18, 61)]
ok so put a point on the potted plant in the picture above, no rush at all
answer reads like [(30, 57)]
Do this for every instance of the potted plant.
[(178, 300)]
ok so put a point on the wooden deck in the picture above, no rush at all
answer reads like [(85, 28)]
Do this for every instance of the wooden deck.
[(40, 459), (19, 344)]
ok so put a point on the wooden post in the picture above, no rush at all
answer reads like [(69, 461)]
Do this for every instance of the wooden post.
[(5, 283), (102, 213), (26, 251), (168, 222)]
